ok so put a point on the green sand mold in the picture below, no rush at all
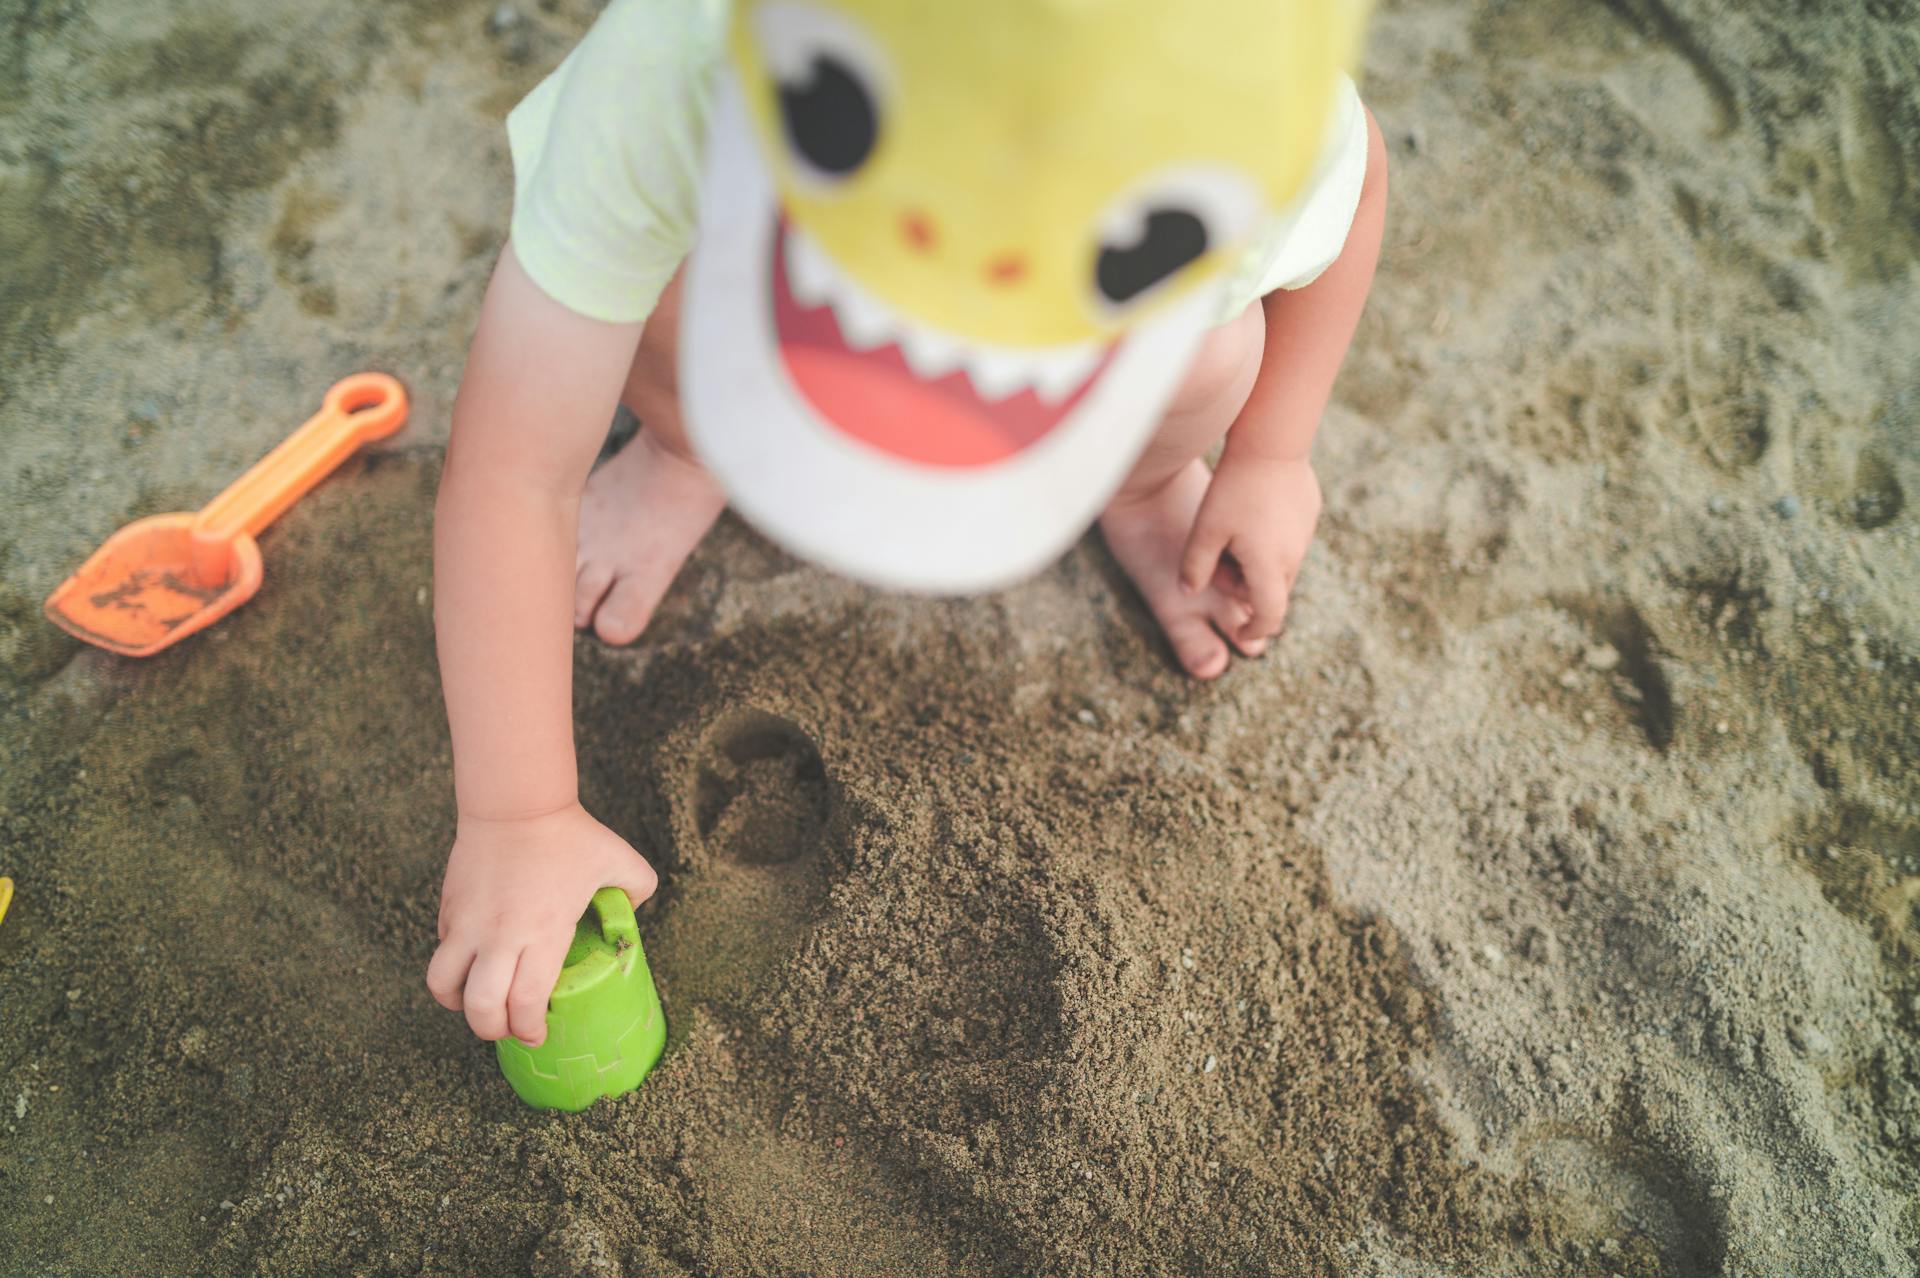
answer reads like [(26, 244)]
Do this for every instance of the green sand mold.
[(605, 1029)]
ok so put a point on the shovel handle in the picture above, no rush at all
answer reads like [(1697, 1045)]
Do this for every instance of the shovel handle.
[(356, 410)]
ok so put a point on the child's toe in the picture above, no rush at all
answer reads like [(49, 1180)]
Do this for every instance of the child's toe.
[(589, 588), (625, 611), (1201, 651)]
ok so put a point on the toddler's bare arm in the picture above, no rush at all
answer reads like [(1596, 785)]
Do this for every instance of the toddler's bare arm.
[(1264, 499), (539, 389)]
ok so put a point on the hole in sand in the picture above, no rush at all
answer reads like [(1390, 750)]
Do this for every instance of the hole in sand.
[(1648, 696), (760, 805), (761, 797), (1877, 496)]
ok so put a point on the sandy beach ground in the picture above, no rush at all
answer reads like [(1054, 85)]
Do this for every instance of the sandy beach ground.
[(1542, 905)]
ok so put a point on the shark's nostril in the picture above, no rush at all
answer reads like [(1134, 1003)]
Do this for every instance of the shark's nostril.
[(1010, 268), (917, 229)]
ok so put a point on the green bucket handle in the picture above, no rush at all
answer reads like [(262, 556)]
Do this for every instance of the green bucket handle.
[(591, 959), (615, 912)]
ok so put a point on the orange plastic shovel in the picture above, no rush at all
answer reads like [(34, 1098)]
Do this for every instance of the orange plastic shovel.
[(159, 579)]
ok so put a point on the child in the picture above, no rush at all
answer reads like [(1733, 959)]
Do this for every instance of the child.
[(587, 303)]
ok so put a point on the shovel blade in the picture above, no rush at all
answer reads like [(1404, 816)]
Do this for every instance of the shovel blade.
[(138, 593)]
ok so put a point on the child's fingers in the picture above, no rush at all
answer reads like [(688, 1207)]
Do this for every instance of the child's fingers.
[(532, 986), (636, 878), (447, 974), (1231, 582), (1202, 556), (442, 922), (1269, 586), (486, 992)]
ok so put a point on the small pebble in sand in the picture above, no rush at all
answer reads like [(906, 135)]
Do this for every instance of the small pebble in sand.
[(1569, 679), (226, 1204), (1603, 657), (48, 1200), (1787, 507), (1809, 1039), (20, 1105), (1086, 716), (1492, 954), (1721, 727), (1186, 959), (1207, 1066), (504, 18)]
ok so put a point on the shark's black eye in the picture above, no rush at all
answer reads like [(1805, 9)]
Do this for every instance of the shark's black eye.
[(1169, 239), (1166, 223), (830, 117), (830, 85)]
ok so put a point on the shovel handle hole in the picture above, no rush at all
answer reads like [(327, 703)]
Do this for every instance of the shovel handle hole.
[(375, 403)]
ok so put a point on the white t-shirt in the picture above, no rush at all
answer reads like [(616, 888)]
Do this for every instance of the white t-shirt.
[(607, 160)]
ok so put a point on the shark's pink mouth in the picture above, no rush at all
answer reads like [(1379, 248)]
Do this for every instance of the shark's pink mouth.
[(913, 394)]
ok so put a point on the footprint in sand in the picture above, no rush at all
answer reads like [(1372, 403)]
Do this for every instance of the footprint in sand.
[(756, 819)]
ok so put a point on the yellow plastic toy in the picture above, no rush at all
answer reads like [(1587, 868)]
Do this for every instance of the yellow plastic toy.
[(6, 896)]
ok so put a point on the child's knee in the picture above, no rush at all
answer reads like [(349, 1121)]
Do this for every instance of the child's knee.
[(652, 392), (652, 386), (1224, 366)]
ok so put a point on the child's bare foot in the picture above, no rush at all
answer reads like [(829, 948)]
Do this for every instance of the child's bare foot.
[(642, 513), (1147, 533)]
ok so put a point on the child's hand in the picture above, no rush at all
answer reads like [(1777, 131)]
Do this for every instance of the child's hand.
[(1261, 513), (513, 892)]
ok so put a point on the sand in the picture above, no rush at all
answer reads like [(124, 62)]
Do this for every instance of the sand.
[(1542, 905)]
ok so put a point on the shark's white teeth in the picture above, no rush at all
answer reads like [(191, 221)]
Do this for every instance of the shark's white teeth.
[(998, 374), (867, 323), (1059, 375), (809, 274), (929, 353)]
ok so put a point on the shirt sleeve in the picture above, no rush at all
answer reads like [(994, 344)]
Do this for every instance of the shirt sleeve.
[(1297, 245), (606, 158)]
